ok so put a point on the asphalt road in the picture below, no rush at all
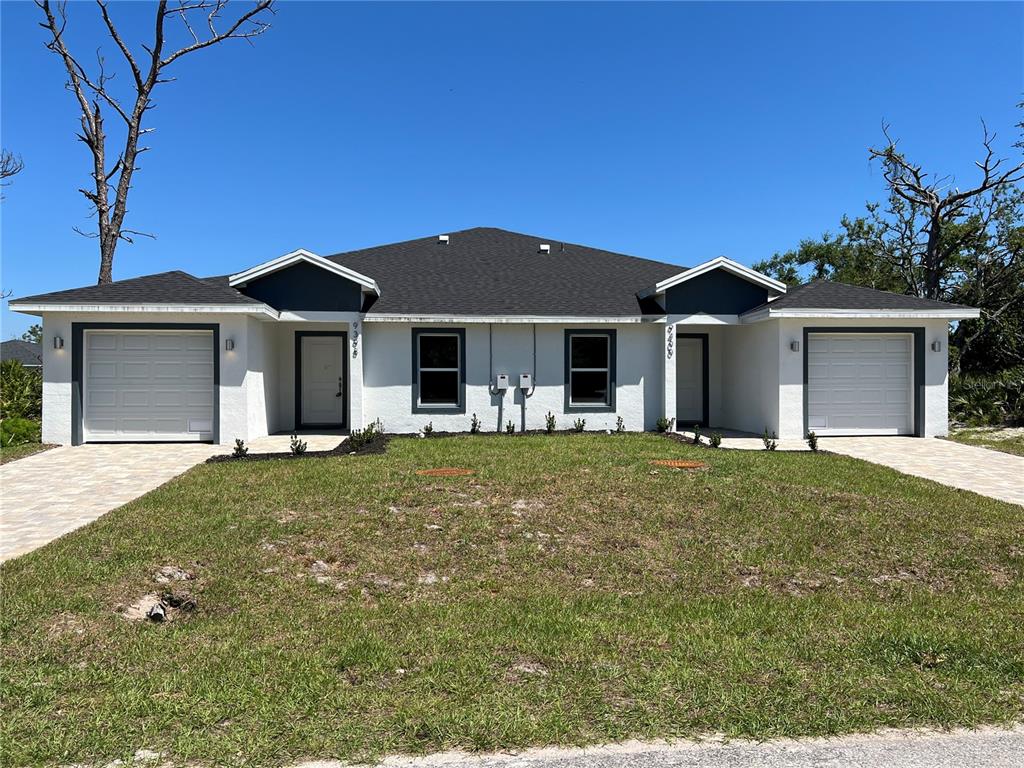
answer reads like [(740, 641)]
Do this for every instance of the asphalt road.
[(985, 748)]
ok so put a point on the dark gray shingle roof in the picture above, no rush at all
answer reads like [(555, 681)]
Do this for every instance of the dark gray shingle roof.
[(174, 287), (486, 271), (25, 352), (823, 294)]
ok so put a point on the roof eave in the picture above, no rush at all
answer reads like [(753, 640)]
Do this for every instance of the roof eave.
[(768, 313), (38, 308)]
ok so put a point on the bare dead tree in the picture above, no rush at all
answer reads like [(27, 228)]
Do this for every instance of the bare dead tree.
[(942, 208), (94, 95), (10, 165)]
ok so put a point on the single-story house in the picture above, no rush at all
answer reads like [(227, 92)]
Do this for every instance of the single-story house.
[(28, 353), (491, 323)]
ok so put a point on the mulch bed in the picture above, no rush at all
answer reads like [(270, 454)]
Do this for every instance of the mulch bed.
[(377, 445)]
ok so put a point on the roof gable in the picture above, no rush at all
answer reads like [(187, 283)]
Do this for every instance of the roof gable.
[(298, 257)]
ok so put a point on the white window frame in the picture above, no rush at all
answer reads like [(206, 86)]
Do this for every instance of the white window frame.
[(607, 370), (457, 370)]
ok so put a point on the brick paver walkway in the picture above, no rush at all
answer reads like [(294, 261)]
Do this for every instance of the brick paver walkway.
[(46, 495), (982, 470)]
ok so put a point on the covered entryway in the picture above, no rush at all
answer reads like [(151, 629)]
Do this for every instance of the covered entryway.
[(148, 385), (860, 383), (321, 373)]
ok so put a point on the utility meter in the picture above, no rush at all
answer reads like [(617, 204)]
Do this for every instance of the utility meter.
[(501, 381), (525, 381)]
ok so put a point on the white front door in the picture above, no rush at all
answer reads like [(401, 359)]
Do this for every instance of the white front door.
[(322, 377), (860, 384), (689, 382), (147, 385)]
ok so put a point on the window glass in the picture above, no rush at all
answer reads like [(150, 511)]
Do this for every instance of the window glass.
[(590, 351), (589, 370), (439, 369)]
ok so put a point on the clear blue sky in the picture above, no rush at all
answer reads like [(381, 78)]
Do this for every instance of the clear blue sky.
[(673, 131)]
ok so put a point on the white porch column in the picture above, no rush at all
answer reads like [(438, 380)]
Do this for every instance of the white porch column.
[(355, 375), (669, 378)]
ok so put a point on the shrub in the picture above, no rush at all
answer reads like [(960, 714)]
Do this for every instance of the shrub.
[(663, 424), (620, 425), (579, 425), (715, 439), (549, 423), (812, 441), (769, 440), (474, 425), (21, 391), (510, 428), (239, 450), (992, 399), (298, 446), (696, 434), (428, 429), (362, 437), (16, 431)]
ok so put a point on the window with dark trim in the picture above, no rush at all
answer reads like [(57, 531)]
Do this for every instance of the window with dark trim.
[(589, 370), (439, 370)]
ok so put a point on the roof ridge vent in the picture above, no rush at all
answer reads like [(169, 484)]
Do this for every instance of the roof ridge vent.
[(443, 239), (545, 248)]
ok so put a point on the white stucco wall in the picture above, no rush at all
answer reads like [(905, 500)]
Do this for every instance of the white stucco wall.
[(387, 377), (237, 388), (750, 377)]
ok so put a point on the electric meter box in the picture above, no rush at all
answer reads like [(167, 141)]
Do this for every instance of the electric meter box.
[(525, 381), (501, 381)]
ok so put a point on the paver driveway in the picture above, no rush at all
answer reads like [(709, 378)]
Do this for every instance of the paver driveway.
[(990, 473), (46, 495)]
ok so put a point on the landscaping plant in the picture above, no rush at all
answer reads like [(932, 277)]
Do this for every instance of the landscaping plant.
[(715, 440), (696, 434), (21, 391), (428, 429), (16, 431), (579, 425), (549, 423), (298, 446), (362, 437), (620, 425), (769, 440), (474, 425), (510, 428), (812, 440), (240, 450), (662, 424)]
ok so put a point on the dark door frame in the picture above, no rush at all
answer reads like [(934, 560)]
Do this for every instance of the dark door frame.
[(78, 378), (705, 376), (917, 349), (299, 335)]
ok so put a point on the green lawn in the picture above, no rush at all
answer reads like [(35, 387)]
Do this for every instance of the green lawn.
[(15, 452), (1008, 440), (568, 593)]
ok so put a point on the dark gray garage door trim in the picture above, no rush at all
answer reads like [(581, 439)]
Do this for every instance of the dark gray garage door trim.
[(78, 381), (917, 333)]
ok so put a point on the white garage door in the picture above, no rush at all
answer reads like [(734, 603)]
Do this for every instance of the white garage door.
[(148, 385), (860, 384)]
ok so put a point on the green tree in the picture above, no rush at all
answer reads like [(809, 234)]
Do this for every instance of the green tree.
[(932, 239), (34, 333)]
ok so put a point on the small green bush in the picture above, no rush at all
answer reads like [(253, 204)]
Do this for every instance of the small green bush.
[(21, 391), (769, 440), (579, 425), (474, 425), (510, 428), (361, 437), (298, 446), (696, 434), (620, 425), (549, 423), (240, 448), (16, 431), (812, 441), (715, 439), (662, 424), (428, 429)]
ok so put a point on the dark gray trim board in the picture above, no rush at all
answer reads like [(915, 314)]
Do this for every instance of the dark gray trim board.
[(438, 409), (612, 370), (917, 333), (297, 420), (705, 376), (77, 381)]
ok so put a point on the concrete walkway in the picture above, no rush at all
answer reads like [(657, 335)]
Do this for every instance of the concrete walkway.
[(990, 473), (48, 494), (988, 747)]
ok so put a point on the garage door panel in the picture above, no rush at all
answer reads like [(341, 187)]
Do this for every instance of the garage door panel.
[(148, 385), (859, 383)]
